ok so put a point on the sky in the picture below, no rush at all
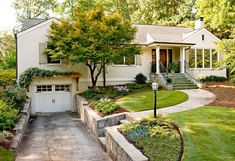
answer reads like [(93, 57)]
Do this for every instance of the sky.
[(7, 15)]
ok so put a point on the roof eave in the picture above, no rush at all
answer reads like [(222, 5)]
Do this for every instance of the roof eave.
[(170, 43)]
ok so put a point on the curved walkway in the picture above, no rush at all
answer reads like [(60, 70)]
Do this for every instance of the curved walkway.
[(197, 98)]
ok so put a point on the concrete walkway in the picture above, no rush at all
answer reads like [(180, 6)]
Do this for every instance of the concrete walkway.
[(60, 137), (197, 98)]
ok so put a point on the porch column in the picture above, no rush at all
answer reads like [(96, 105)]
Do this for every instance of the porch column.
[(182, 59), (157, 59)]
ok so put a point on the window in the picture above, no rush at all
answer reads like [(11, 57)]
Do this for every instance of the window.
[(125, 60), (52, 61), (65, 88), (199, 58), (44, 88), (203, 37), (206, 58), (192, 58), (214, 59)]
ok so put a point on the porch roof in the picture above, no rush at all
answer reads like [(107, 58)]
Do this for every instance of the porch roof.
[(149, 34)]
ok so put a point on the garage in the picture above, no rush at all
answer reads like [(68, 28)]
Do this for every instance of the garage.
[(53, 98)]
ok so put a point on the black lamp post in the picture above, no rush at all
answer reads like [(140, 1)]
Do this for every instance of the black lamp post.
[(155, 87)]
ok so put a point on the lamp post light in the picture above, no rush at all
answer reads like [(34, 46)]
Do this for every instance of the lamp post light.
[(155, 87)]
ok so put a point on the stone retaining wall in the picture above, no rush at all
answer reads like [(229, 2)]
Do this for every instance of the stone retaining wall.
[(21, 126), (119, 149), (93, 121)]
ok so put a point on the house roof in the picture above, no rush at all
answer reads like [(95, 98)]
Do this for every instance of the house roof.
[(148, 34), (28, 23)]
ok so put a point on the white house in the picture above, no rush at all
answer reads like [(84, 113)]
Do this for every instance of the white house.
[(193, 49)]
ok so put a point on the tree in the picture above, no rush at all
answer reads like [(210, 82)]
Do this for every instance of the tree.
[(93, 38), (227, 47), (218, 15), (158, 12), (7, 51), (33, 8)]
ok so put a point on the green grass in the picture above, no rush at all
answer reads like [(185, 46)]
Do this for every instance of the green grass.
[(6, 155), (208, 132), (144, 100)]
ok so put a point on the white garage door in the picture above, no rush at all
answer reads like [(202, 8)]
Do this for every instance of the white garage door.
[(53, 98)]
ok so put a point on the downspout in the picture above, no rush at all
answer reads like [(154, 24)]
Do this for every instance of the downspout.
[(16, 57)]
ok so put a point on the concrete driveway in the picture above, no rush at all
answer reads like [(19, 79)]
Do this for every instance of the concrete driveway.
[(59, 137)]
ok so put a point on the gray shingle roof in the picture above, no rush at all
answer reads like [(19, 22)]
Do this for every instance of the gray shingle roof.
[(168, 34), (27, 23)]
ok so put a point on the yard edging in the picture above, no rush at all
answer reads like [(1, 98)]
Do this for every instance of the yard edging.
[(119, 149), (22, 125)]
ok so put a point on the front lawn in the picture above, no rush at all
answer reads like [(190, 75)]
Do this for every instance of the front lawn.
[(6, 155), (144, 100), (208, 132)]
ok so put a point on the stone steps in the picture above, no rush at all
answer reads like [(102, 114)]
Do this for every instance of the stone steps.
[(180, 81)]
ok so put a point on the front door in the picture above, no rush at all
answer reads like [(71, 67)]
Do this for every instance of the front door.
[(163, 57)]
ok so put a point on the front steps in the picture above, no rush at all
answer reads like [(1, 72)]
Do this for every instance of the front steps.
[(180, 81)]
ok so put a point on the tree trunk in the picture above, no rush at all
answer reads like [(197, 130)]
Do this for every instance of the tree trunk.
[(104, 73)]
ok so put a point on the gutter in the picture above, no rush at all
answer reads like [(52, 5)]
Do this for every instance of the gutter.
[(170, 43), (16, 57)]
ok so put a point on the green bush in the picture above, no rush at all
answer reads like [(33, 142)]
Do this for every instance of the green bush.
[(135, 87), (9, 62), (140, 78), (7, 77), (8, 116), (105, 106), (213, 78), (232, 80), (89, 94), (4, 135), (14, 96)]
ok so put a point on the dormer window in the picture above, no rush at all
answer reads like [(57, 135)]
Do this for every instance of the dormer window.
[(203, 37)]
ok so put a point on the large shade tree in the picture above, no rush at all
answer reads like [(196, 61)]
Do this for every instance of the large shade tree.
[(33, 8), (93, 38), (227, 47), (218, 15)]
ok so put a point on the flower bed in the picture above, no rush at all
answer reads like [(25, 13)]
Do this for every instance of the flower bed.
[(157, 139), (103, 98)]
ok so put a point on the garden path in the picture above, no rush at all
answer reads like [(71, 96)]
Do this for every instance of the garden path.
[(197, 98)]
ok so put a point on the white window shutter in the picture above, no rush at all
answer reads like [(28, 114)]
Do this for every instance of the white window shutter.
[(42, 55), (138, 59)]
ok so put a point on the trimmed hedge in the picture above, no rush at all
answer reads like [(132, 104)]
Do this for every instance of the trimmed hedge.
[(213, 78)]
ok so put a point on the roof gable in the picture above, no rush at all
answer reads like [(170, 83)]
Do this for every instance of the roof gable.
[(169, 34)]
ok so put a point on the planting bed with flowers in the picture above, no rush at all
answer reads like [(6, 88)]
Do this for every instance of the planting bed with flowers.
[(158, 139)]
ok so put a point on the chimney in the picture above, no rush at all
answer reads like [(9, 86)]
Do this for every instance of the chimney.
[(199, 23)]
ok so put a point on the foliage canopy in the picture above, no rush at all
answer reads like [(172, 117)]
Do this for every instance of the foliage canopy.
[(93, 38)]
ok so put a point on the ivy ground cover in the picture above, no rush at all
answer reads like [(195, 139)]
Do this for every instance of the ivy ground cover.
[(144, 100), (208, 132)]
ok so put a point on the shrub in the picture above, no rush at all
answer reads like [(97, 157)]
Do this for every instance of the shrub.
[(140, 78), (89, 94), (8, 116), (9, 62), (7, 77), (232, 80), (105, 106), (174, 67), (213, 78), (4, 135), (14, 96)]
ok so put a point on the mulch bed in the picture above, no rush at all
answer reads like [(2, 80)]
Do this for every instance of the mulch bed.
[(224, 91)]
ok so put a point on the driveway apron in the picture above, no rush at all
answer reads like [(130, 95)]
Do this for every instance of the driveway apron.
[(59, 137)]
